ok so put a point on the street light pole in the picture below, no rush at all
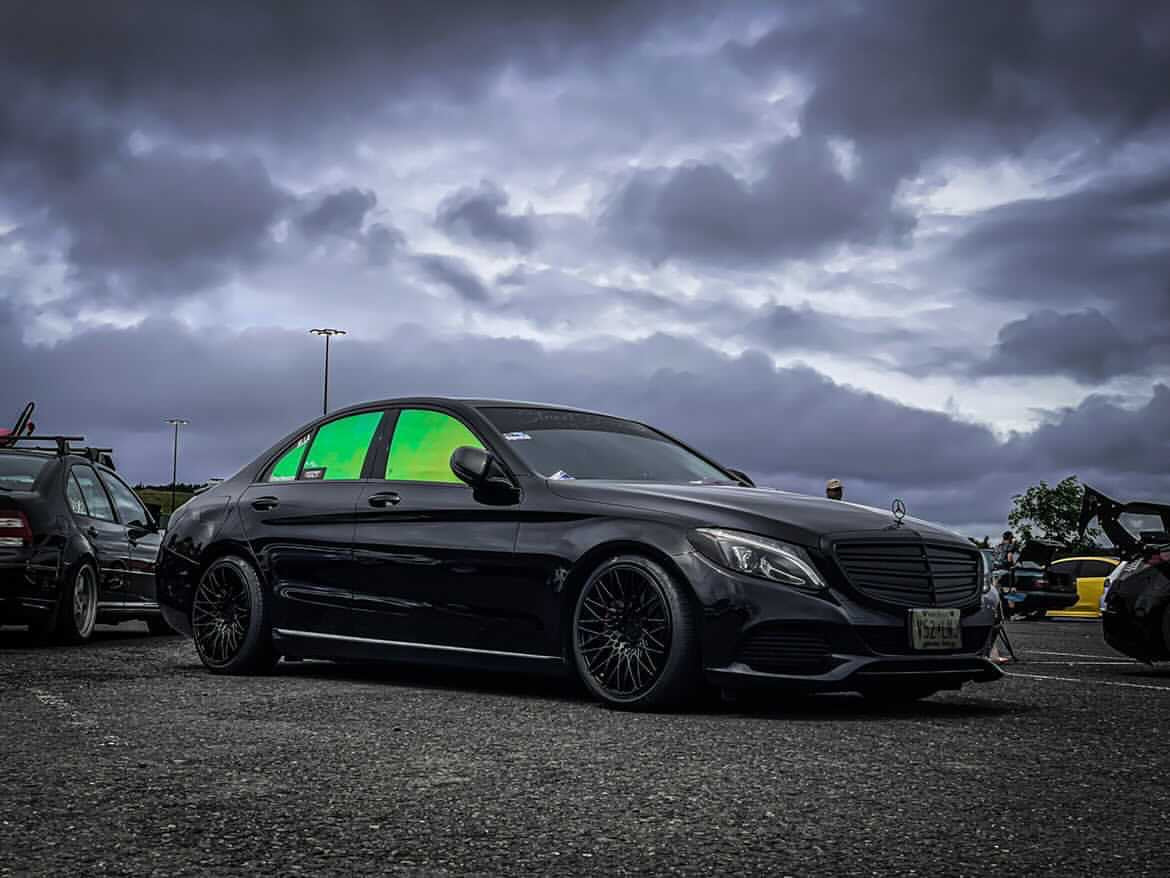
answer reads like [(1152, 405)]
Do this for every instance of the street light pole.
[(177, 422), (328, 333)]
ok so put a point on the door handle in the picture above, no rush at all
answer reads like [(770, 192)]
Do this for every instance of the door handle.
[(383, 499), (262, 503)]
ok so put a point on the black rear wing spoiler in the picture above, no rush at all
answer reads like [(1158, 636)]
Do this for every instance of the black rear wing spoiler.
[(104, 456), (1108, 512)]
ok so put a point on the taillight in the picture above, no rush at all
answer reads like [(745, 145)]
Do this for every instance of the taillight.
[(14, 530)]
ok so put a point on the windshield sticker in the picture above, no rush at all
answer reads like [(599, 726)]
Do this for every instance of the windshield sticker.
[(316, 473), (513, 437), (561, 475)]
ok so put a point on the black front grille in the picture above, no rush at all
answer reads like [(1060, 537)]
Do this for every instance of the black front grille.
[(911, 573), (781, 649)]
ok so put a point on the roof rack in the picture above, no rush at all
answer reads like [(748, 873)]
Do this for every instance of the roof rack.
[(104, 456)]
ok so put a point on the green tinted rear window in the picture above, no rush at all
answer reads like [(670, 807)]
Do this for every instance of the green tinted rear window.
[(289, 462), (422, 446), (339, 448)]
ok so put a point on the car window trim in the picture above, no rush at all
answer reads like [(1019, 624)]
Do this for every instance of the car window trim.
[(69, 477), (103, 473), (101, 484)]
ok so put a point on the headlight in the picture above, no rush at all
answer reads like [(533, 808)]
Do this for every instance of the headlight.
[(986, 573), (758, 556)]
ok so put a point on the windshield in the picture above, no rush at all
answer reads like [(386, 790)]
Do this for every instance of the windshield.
[(561, 444), (19, 471)]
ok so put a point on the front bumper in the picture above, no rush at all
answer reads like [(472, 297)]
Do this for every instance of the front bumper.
[(759, 634)]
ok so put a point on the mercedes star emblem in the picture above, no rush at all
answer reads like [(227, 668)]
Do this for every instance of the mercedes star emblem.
[(899, 509)]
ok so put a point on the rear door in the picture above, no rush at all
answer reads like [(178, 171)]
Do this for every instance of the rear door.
[(299, 521), (142, 541), (106, 535)]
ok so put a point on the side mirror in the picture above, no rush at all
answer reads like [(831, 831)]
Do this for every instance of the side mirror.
[(741, 475), (155, 510), (479, 469)]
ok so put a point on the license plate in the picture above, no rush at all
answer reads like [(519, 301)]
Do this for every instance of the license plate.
[(935, 629)]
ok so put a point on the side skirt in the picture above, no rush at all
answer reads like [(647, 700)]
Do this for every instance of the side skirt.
[(311, 644)]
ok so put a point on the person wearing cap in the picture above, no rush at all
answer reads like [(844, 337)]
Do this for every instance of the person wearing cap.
[(833, 489)]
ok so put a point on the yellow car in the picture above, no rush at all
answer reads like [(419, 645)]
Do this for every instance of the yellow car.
[(1090, 573)]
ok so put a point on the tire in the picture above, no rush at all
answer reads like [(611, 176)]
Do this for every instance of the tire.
[(77, 607), (230, 620), (158, 626), (634, 636)]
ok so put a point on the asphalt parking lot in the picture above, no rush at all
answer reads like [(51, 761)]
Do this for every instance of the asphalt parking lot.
[(124, 757)]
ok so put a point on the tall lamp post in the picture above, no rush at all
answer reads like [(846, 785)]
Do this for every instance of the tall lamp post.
[(177, 422), (328, 333)]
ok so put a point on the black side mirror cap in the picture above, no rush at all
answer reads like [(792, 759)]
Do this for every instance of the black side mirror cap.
[(479, 469)]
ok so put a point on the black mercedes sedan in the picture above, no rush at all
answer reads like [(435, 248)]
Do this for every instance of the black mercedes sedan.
[(512, 535), (77, 545)]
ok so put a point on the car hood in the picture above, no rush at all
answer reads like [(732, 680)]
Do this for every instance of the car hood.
[(736, 506)]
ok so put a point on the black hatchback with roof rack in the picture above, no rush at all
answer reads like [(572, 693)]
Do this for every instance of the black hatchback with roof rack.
[(77, 545)]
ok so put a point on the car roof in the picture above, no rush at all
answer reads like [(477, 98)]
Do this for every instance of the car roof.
[(474, 402)]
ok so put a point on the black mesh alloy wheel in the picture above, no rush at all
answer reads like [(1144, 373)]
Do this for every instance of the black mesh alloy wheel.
[(633, 638), (229, 619)]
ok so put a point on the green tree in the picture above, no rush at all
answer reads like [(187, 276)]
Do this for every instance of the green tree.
[(1051, 512)]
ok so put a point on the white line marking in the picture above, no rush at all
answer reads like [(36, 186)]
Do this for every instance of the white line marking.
[(1083, 680), (1078, 655)]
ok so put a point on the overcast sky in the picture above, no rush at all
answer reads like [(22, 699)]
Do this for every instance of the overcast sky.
[(920, 246)]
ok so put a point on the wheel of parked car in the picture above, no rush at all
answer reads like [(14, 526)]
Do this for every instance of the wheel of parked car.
[(635, 643), (77, 608), (158, 625), (229, 619)]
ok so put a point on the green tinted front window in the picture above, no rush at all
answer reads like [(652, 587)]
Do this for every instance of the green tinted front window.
[(289, 462), (339, 448), (422, 446)]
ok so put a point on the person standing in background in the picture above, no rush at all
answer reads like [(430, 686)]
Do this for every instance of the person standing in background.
[(834, 489)]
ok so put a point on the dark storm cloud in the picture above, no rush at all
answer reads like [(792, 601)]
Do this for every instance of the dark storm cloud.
[(452, 272), (481, 215), (338, 213), (806, 200), (343, 214), (163, 222), (1084, 345), (1104, 243), (793, 423), (995, 75), (233, 68)]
